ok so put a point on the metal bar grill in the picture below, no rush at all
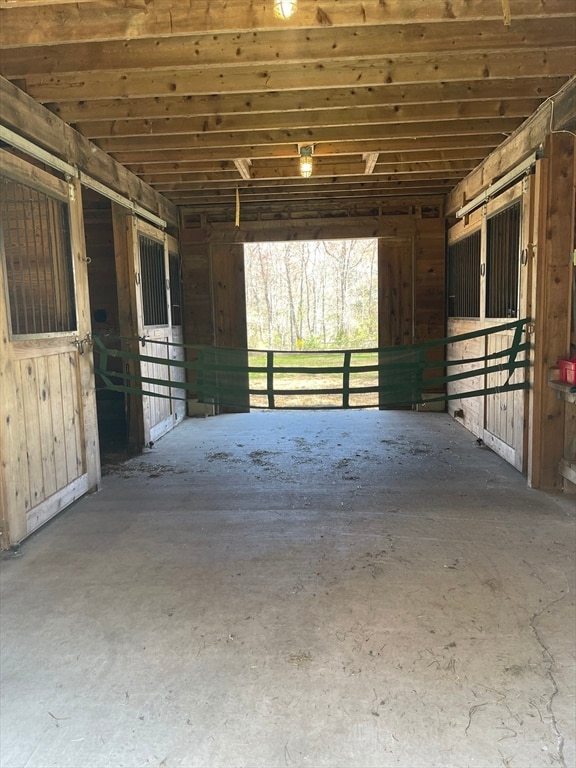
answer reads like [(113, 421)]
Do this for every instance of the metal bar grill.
[(502, 260), (38, 258), (175, 288), (464, 277), (154, 299)]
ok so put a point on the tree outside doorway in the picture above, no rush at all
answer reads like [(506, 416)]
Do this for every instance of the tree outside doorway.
[(312, 296)]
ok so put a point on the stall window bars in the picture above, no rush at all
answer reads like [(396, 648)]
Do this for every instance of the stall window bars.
[(35, 236), (464, 277), (502, 262), (154, 298), (175, 289)]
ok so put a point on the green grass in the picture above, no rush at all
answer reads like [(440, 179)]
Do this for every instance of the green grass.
[(320, 380)]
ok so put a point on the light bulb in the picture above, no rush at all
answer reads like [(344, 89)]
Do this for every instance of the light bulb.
[(283, 9), (305, 166)]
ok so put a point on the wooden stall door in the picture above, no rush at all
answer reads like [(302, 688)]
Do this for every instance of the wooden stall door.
[(162, 410), (505, 412), (50, 437)]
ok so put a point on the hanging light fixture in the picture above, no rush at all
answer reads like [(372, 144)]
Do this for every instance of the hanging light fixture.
[(283, 9), (306, 161)]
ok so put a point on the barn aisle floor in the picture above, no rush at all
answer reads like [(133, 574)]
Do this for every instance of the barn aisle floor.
[(274, 590)]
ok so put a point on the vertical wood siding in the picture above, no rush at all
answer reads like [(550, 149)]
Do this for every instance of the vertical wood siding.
[(51, 425)]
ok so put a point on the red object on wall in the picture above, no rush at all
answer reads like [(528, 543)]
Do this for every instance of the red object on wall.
[(567, 370)]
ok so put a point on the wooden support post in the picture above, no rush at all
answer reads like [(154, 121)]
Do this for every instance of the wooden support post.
[(555, 178), (91, 446), (125, 243)]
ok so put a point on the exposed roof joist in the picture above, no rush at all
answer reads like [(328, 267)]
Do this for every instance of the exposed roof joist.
[(199, 97)]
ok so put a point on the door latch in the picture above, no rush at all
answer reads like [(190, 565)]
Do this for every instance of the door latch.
[(81, 344)]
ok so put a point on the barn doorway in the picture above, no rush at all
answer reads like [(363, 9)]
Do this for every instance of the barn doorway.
[(105, 317), (314, 298)]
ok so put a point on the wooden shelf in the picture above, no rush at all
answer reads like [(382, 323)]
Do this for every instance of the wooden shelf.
[(563, 391), (568, 470)]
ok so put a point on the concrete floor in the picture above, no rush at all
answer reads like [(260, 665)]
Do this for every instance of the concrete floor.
[(332, 590)]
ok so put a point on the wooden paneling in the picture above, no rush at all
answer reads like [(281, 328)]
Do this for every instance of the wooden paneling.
[(227, 265), (177, 374), (429, 279), (554, 240), (504, 411), (471, 408), (158, 417), (395, 287), (43, 435)]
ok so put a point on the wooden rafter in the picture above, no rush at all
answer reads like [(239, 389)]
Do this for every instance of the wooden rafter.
[(194, 98)]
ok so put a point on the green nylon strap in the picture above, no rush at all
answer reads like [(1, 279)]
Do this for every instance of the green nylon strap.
[(512, 325), (220, 373)]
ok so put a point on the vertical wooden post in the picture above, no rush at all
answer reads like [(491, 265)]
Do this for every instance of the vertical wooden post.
[(91, 445), (551, 296), (125, 243), (13, 500)]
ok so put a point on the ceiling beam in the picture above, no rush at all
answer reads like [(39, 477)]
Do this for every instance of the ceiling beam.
[(51, 23), (393, 161), (396, 180), (418, 68), (479, 142), (370, 131), (326, 195), (278, 121), (326, 167), (294, 101), (265, 47)]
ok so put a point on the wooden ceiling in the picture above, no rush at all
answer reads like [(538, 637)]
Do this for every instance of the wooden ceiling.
[(201, 97)]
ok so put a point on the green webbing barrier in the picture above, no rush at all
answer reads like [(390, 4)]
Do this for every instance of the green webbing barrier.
[(406, 375)]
